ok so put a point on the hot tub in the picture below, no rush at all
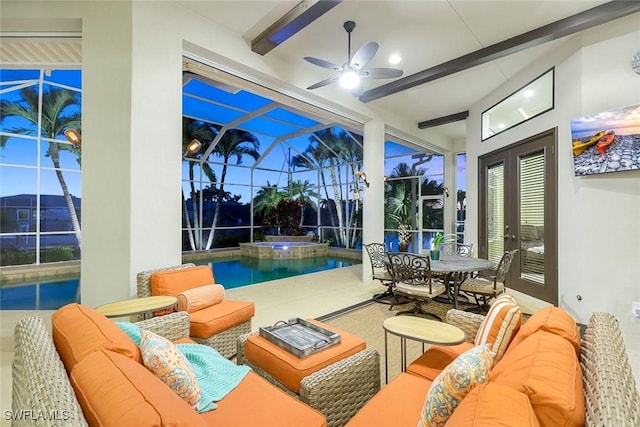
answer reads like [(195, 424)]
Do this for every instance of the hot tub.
[(277, 250)]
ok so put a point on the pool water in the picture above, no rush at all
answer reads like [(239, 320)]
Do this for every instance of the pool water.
[(230, 272)]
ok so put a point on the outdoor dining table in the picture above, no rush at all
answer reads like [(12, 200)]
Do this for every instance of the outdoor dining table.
[(454, 267)]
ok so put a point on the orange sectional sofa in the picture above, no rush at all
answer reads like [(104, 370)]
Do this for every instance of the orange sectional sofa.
[(91, 373), (548, 376)]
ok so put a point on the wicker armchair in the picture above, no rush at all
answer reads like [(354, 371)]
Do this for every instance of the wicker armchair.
[(224, 342), (338, 391)]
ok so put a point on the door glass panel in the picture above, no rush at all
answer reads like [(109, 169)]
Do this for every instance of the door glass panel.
[(432, 219), (532, 216), (495, 212)]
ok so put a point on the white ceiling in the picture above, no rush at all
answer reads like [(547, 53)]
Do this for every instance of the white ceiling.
[(424, 33)]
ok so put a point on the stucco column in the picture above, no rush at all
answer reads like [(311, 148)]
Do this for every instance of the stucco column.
[(373, 200)]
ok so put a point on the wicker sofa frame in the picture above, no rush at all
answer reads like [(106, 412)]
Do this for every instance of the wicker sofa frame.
[(41, 384), (610, 391), (338, 391), (224, 342)]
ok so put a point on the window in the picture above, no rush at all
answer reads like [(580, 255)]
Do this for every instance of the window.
[(530, 101)]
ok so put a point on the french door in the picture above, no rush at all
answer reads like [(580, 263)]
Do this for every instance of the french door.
[(518, 210)]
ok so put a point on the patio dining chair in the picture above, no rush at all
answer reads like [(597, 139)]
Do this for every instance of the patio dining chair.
[(484, 289), (380, 270), (453, 248), (412, 279)]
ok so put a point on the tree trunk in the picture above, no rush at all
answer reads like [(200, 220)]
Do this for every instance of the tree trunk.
[(53, 153)]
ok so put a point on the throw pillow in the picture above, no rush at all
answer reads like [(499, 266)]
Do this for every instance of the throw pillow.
[(166, 362), (454, 383), (500, 325), (201, 297)]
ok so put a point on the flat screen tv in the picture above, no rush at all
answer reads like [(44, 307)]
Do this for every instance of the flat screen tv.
[(607, 141)]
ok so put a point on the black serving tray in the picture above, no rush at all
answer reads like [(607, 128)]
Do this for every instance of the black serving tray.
[(299, 337)]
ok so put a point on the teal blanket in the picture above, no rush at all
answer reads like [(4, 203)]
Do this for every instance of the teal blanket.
[(216, 375)]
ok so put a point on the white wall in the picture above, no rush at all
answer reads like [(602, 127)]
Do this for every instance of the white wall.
[(598, 231)]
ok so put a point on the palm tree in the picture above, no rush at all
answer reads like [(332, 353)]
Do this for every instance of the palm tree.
[(205, 133), (400, 202), (304, 192), (57, 115), (267, 198), (234, 143), (315, 156)]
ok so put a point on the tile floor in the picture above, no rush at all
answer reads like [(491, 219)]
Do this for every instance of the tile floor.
[(311, 295)]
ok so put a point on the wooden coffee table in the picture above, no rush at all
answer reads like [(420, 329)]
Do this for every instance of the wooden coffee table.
[(134, 306), (418, 329)]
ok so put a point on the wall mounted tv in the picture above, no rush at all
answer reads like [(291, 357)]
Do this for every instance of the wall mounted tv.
[(607, 141)]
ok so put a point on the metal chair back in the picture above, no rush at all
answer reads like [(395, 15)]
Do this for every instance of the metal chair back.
[(377, 255), (410, 268), (460, 249)]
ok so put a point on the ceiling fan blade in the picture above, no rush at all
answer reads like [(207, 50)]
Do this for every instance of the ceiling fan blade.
[(380, 73), (364, 55), (323, 83), (322, 63)]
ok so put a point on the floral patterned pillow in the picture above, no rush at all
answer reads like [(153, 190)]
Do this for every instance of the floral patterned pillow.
[(454, 383), (166, 362)]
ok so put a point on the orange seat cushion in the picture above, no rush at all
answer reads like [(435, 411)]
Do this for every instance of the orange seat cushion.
[(550, 319), (436, 358), (79, 330), (212, 320), (289, 369), (257, 403), (398, 404), (113, 390), (491, 404), (173, 282), (544, 366)]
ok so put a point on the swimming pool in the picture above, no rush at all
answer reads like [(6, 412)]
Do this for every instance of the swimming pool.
[(232, 272)]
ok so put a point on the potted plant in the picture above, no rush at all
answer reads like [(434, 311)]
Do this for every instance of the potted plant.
[(438, 240)]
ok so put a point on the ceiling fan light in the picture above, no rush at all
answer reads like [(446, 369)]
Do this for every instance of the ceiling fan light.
[(349, 79)]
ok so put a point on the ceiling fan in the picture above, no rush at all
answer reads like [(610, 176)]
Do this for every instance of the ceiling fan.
[(351, 73)]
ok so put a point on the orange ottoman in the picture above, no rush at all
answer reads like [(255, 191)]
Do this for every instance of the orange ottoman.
[(289, 369), (337, 381)]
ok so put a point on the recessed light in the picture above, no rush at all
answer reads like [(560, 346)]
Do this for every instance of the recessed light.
[(395, 59), (528, 93), (501, 126)]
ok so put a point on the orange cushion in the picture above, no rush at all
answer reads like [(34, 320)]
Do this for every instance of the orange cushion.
[(113, 390), (436, 358), (544, 366), (500, 325), (79, 330), (173, 282), (491, 404), (220, 317), (289, 369), (398, 404), (554, 320), (201, 297), (256, 403)]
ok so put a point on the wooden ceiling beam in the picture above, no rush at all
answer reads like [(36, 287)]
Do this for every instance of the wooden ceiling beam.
[(581, 21), (451, 118), (302, 14)]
